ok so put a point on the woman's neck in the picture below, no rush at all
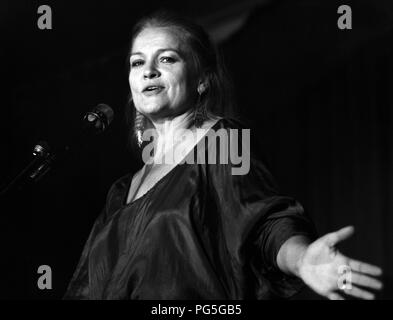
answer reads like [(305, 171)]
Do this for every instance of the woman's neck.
[(168, 132), (174, 138), (168, 126)]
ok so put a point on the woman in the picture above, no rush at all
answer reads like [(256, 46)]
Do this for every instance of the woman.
[(177, 230)]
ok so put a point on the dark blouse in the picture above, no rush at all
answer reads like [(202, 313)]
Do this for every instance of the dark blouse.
[(199, 233)]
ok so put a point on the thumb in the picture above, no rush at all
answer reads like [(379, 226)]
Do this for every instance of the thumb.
[(334, 237)]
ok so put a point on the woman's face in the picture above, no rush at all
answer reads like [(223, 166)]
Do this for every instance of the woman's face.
[(161, 75)]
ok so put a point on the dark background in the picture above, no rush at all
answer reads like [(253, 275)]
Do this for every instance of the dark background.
[(318, 98)]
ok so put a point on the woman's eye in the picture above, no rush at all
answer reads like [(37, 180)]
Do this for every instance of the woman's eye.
[(136, 63), (167, 60)]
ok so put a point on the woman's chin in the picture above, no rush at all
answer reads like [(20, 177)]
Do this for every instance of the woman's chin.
[(153, 111)]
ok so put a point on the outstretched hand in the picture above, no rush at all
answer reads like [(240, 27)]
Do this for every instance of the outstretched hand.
[(324, 269)]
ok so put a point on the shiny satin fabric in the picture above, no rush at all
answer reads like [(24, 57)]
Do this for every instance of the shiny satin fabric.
[(199, 233)]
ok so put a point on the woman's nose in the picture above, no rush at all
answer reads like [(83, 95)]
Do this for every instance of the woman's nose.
[(150, 72)]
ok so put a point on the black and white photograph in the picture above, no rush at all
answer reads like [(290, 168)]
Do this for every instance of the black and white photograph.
[(196, 151)]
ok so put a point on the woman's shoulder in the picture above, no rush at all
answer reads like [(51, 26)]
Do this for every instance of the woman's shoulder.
[(237, 134), (240, 147), (230, 123), (116, 194), (117, 190)]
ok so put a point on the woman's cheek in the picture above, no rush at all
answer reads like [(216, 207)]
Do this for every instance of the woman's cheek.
[(132, 81), (134, 89)]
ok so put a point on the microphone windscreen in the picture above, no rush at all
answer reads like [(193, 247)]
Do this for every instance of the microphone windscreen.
[(107, 111)]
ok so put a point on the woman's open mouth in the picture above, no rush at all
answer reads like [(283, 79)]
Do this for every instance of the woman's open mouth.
[(152, 90)]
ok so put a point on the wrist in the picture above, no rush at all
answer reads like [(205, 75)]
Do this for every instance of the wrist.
[(300, 261), (291, 255)]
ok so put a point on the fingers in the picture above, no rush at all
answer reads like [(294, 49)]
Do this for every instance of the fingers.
[(363, 267), (359, 293), (366, 281), (334, 296), (342, 234)]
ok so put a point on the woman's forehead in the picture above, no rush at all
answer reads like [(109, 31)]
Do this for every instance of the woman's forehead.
[(157, 38)]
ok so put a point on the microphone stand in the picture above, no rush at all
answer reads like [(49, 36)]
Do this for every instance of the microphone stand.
[(33, 171), (94, 122)]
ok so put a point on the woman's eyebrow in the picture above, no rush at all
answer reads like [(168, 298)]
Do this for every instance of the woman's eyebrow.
[(159, 51), (170, 49), (135, 53)]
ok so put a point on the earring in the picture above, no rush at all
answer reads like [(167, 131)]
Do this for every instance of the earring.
[(139, 126), (200, 113), (201, 89)]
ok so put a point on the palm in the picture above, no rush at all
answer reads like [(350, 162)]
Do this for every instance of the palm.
[(323, 267)]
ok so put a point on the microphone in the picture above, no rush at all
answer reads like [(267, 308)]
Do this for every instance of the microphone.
[(99, 118), (95, 122)]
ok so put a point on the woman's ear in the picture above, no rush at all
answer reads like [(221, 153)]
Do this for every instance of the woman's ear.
[(201, 88), (204, 82)]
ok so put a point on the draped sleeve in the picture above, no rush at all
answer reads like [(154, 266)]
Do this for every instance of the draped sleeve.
[(256, 219), (79, 286), (216, 232)]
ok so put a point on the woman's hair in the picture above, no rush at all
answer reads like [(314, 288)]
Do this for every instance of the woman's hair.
[(217, 98)]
